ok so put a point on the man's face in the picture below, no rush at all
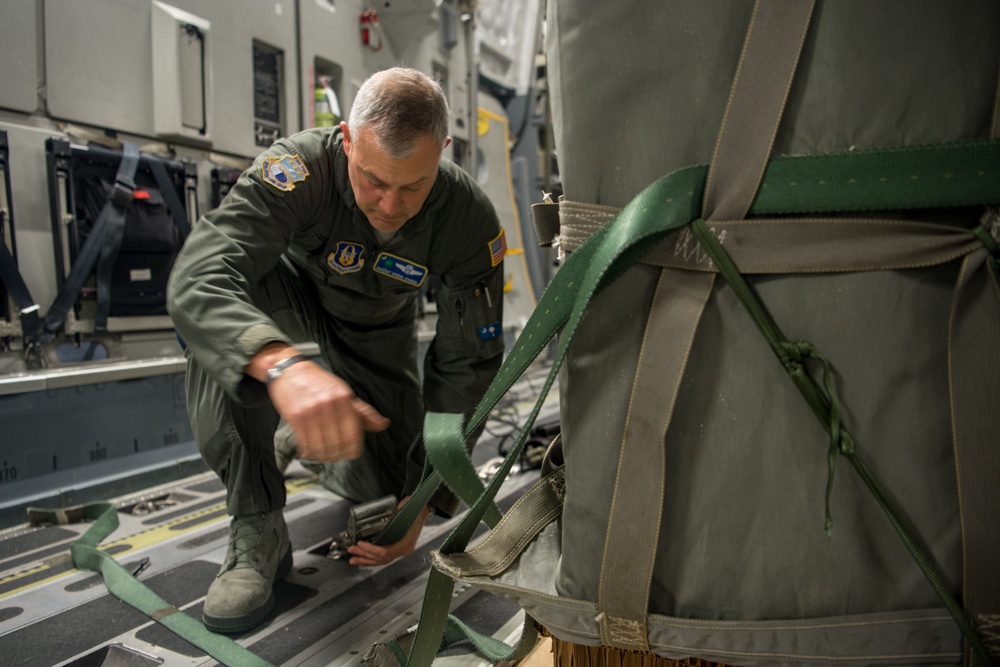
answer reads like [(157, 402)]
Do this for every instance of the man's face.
[(389, 192)]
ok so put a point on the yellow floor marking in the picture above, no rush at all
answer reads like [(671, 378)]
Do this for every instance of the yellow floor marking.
[(137, 541)]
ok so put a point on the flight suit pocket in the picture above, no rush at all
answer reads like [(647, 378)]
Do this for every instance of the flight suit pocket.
[(479, 319)]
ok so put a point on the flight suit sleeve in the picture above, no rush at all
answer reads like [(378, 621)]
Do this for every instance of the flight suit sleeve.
[(228, 252)]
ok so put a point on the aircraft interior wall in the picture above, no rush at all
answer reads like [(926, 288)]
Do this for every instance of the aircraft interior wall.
[(204, 87)]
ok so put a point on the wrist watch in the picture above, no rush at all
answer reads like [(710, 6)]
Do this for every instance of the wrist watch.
[(275, 371)]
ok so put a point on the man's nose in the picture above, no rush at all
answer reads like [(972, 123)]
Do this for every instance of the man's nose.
[(390, 204)]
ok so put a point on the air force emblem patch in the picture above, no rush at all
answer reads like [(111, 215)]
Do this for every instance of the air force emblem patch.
[(283, 171), (347, 258), (400, 269)]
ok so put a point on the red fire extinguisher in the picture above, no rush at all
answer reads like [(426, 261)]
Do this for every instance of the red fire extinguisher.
[(371, 36)]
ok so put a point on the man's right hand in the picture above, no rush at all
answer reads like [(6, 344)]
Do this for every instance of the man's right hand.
[(328, 419)]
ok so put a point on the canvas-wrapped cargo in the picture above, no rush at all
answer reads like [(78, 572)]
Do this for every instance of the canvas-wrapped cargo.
[(691, 515)]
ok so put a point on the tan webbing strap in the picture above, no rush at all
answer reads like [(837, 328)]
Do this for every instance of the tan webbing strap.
[(636, 507), (803, 245), (493, 554), (570, 223), (974, 378), (587, 219), (756, 101)]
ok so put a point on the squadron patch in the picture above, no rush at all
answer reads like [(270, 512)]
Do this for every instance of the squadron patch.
[(497, 248), (401, 269), (284, 171), (347, 258)]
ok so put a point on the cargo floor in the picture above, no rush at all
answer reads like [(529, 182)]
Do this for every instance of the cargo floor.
[(327, 612)]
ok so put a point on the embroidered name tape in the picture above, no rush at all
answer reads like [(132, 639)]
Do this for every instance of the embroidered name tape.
[(283, 171), (401, 269), (347, 258)]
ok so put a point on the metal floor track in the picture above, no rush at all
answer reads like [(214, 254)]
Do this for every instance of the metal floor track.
[(175, 536)]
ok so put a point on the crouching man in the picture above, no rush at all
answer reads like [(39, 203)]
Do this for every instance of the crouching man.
[(329, 237)]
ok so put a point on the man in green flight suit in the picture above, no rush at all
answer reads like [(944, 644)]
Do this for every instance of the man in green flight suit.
[(329, 237)]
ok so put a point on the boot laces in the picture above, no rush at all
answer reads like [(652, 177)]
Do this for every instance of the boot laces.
[(245, 541)]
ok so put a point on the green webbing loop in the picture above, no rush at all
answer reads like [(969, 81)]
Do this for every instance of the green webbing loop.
[(960, 174), (125, 587), (448, 452), (827, 408), (488, 648)]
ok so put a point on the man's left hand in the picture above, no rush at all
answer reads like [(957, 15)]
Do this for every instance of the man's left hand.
[(366, 554)]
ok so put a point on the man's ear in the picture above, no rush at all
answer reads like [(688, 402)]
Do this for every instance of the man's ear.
[(346, 131), (447, 142)]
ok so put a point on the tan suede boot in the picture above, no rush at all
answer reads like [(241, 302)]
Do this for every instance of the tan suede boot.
[(259, 554)]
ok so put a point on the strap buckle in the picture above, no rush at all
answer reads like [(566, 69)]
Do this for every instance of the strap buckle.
[(364, 522), (123, 191)]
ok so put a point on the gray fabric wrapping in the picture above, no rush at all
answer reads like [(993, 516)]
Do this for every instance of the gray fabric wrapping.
[(869, 78), (744, 573)]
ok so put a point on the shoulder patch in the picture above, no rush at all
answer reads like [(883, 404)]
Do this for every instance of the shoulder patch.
[(283, 171), (497, 248)]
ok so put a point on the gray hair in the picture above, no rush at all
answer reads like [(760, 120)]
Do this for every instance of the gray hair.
[(400, 105)]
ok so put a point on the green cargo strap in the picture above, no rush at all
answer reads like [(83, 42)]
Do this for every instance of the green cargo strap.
[(870, 180), (125, 587), (462, 479), (393, 653)]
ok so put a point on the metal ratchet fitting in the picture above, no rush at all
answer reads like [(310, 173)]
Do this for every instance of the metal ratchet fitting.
[(364, 522)]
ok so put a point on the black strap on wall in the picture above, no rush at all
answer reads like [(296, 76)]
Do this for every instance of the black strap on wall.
[(18, 290), (101, 249), (176, 206)]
